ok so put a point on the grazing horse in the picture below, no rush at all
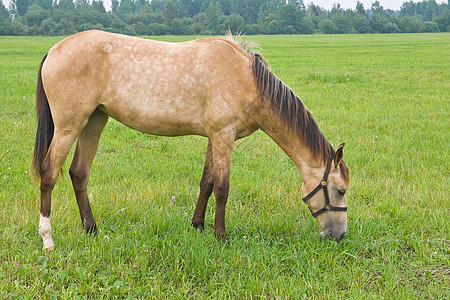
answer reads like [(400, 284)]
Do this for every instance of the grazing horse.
[(212, 87)]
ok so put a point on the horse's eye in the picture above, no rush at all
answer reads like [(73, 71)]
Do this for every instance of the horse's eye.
[(341, 192)]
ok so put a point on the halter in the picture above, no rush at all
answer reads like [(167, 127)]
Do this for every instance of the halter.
[(323, 185)]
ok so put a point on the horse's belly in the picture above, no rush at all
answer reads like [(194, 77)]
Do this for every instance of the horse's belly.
[(157, 118)]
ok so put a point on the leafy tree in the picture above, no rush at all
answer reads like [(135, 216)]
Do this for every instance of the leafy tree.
[(66, 5), (170, 11), (326, 26), (48, 26), (340, 24), (234, 22), (4, 13), (158, 29), (20, 7), (360, 8), (35, 15), (213, 15), (408, 9), (290, 19), (443, 21), (429, 27), (409, 24), (98, 6), (361, 23)]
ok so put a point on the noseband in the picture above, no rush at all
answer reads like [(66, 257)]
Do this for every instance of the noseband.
[(323, 185)]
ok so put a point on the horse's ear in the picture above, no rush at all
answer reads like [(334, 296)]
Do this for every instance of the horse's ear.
[(339, 155)]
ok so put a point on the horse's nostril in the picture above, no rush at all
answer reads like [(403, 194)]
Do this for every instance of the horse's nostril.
[(342, 236)]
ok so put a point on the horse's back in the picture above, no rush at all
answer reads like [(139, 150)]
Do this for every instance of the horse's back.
[(156, 87)]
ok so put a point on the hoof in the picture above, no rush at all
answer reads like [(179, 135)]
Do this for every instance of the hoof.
[(91, 230), (223, 238), (200, 226), (48, 245)]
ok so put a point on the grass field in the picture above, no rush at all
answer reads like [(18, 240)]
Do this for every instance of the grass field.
[(386, 96)]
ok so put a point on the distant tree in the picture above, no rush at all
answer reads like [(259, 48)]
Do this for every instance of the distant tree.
[(339, 24), (376, 22), (48, 27), (390, 27), (360, 8), (409, 24), (20, 6), (170, 11), (234, 22), (64, 27), (307, 26), (377, 8), (443, 21), (290, 19), (35, 15), (98, 6), (408, 9), (213, 16), (115, 6), (4, 13), (326, 26), (158, 29), (361, 23), (429, 27)]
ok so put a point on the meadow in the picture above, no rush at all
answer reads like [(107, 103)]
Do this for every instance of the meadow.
[(385, 96)]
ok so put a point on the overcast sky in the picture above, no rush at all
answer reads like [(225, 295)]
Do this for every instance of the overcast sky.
[(327, 4)]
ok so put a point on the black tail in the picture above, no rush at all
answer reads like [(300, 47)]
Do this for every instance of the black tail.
[(45, 129)]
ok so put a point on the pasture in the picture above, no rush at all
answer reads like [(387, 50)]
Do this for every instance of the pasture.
[(385, 96)]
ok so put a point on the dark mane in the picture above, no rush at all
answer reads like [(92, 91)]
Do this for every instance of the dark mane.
[(291, 109)]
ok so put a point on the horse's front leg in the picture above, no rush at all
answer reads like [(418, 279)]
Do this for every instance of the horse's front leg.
[(206, 189), (222, 148)]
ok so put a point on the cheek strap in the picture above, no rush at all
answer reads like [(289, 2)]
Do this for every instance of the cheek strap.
[(323, 185)]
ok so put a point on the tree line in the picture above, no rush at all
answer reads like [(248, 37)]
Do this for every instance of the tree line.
[(211, 17)]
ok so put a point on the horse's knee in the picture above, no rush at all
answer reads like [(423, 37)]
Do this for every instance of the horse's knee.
[(221, 191)]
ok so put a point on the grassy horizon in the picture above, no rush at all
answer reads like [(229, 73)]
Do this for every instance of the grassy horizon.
[(385, 96)]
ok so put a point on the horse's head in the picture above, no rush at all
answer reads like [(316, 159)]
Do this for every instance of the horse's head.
[(326, 196)]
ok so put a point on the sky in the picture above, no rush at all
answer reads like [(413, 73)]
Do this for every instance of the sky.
[(327, 4)]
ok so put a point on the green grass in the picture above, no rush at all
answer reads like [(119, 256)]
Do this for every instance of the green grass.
[(386, 96)]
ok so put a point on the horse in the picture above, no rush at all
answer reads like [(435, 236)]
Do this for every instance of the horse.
[(218, 88)]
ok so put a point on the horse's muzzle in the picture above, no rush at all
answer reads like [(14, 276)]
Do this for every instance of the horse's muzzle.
[(336, 235)]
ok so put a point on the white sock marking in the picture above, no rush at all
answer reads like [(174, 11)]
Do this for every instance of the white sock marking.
[(45, 231)]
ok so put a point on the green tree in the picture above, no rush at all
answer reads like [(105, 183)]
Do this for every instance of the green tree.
[(360, 8), (290, 19), (361, 23), (429, 27), (4, 13), (443, 21), (66, 5), (213, 16), (170, 12), (98, 6), (234, 22), (409, 24), (340, 24), (326, 26), (20, 6), (35, 15)]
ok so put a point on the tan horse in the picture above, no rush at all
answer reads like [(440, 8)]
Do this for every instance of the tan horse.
[(211, 87)]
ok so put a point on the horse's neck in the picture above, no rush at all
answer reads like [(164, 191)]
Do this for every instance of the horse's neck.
[(291, 143)]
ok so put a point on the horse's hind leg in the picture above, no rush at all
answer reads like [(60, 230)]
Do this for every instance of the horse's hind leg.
[(206, 189), (59, 148), (79, 171)]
